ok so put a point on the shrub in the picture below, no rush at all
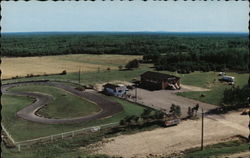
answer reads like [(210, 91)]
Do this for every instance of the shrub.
[(175, 110), (132, 64), (64, 72), (120, 67)]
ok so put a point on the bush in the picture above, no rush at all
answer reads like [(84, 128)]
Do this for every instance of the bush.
[(132, 64), (175, 110), (237, 96), (64, 72), (120, 67), (159, 115)]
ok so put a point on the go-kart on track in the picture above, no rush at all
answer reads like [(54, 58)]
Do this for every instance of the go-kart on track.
[(108, 108)]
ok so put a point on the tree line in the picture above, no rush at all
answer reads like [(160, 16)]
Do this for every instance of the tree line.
[(119, 43), (207, 60)]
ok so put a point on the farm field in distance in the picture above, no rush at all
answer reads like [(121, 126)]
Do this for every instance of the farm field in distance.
[(22, 66)]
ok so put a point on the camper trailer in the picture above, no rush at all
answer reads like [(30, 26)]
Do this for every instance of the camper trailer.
[(230, 79)]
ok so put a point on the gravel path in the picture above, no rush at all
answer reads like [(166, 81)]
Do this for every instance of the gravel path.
[(108, 107)]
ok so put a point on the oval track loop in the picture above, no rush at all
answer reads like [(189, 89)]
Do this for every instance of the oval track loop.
[(108, 107)]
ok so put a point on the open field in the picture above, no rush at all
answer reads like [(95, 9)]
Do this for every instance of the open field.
[(208, 80), (21, 66), (178, 138), (201, 79), (92, 77), (217, 88)]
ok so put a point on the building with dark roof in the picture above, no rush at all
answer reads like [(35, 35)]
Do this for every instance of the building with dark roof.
[(156, 81)]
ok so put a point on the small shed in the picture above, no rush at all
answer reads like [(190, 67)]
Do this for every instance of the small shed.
[(115, 90), (156, 81)]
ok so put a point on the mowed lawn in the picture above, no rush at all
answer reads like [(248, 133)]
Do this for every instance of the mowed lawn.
[(210, 80), (21, 129), (64, 104), (21, 66)]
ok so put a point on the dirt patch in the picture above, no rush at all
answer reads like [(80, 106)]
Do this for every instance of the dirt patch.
[(164, 141), (193, 88)]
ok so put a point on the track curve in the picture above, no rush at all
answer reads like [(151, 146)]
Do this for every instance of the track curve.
[(108, 107)]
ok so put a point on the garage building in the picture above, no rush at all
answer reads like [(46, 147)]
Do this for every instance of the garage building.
[(156, 81)]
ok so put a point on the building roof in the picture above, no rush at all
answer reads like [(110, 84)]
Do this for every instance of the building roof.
[(157, 75), (108, 85)]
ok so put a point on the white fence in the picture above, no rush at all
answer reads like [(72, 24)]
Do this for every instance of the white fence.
[(54, 137)]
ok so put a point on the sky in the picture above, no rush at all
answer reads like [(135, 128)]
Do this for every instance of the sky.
[(169, 16)]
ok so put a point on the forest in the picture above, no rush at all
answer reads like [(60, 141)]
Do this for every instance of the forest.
[(168, 51)]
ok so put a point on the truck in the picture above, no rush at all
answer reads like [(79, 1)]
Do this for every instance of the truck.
[(171, 121)]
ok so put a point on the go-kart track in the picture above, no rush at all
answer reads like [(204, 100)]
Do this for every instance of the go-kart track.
[(108, 108)]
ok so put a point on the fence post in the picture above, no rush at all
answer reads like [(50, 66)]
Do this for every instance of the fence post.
[(19, 147)]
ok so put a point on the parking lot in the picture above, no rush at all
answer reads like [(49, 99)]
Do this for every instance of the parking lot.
[(163, 99)]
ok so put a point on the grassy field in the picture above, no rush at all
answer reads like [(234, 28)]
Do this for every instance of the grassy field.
[(230, 147), (22, 130), (63, 149), (92, 77), (210, 80), (63, 101), (21, 66), (201, 79), (68, 148)]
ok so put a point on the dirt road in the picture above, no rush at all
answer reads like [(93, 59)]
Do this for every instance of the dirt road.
[(28, 113), (164, 141)]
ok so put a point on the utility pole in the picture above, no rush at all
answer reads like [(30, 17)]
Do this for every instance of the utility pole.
[(79, 76), (202, 129), (136, 94)]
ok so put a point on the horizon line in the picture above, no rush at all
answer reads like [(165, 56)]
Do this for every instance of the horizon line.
[(234, 32)]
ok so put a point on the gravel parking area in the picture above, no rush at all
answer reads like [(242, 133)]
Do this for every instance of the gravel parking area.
[(163, 99)]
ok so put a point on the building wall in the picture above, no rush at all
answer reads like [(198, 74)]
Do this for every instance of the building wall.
[(157, 84)]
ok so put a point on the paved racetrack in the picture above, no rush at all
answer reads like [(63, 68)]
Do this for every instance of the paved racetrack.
[(108, 107)]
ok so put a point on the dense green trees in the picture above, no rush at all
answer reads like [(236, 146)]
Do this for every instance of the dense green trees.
[(35, 44), (230, 58), (237, 96)]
